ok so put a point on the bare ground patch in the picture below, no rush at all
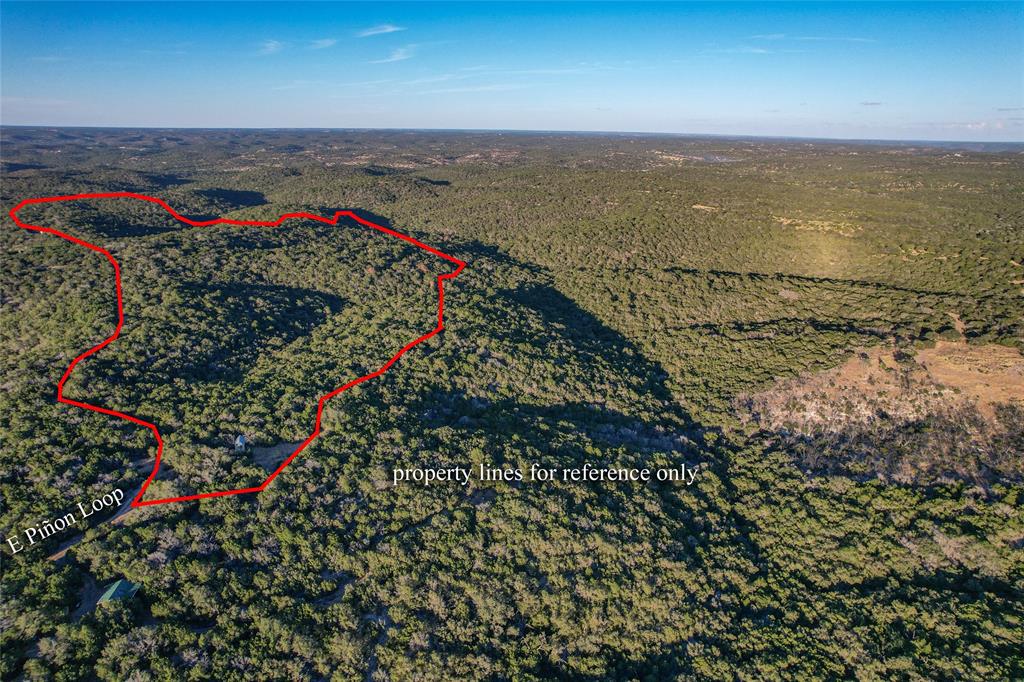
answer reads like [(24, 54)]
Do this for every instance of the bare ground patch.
[(840, 227), (271, 457), (989, 375), (951, 412)]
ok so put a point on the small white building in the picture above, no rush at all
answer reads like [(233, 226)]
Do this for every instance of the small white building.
[(241, 444)]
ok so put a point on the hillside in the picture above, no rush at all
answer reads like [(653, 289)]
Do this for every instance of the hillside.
[(628, 301)]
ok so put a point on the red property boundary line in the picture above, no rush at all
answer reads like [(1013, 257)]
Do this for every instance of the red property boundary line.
[(138, 502)]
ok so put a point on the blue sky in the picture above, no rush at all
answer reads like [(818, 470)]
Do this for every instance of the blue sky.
[(945, 71)]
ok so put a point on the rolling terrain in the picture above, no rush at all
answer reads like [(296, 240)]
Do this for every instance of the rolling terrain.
[(803, 320)]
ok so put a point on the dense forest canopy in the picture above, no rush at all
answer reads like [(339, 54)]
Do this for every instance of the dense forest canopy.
[(630, 301)]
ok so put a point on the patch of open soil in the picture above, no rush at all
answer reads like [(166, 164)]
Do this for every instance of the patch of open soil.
[(906, 384), (987, 374), (950, 412), (271, 457), (841, 227)]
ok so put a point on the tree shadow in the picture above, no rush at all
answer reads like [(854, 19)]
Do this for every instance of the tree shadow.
[(547, 318), (379, 171), (669, 663), (117, 219), (435, 183), (591, 338), (243, 320), (833, 281), (948, 445), (14, 166), (374, 218), (233, 199), (793, 325), (166, 180), (579, 424)]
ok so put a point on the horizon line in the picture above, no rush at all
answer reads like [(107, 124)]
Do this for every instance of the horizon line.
[(543, 131)]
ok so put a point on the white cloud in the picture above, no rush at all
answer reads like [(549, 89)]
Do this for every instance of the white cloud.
[(497, 87), (365, 84), (826, 39), (742, 50), (379, 30), (299, 84), (397, 55), (323, 43), (271, 47), (438, 79), (819, 39)]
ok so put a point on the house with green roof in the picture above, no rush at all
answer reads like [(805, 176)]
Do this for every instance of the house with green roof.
[(119, 590)]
